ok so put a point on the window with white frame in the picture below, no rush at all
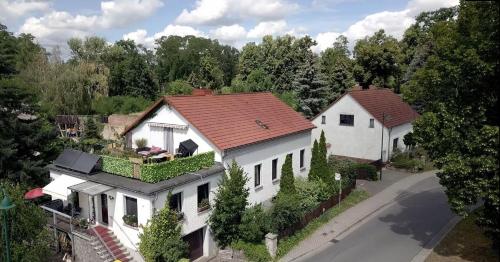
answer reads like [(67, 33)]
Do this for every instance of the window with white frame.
[(372, 123), (302, 153), (274, 173), (256, 176)]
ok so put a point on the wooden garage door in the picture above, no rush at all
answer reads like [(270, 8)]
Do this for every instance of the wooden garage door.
[(195, 242)]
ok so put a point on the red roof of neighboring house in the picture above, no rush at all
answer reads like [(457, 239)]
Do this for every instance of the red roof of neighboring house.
[(235, 120), (384, 101)]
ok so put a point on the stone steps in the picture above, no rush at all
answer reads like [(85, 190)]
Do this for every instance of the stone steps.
[(109, 243)]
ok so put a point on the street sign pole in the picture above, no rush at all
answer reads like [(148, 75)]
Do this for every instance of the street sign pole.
[(338, 178)]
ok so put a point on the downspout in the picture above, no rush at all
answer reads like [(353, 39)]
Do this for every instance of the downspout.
[(389, 145)]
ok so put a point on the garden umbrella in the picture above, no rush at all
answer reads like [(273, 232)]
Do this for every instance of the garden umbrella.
[(34, 193)]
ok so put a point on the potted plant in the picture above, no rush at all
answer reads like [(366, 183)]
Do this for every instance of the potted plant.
[(141, 144), (180, 215), (204, 205), (130, 220)]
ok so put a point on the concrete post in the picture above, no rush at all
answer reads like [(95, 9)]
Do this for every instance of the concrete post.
[(272, 244)]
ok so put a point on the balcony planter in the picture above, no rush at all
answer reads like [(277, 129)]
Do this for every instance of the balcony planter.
[(180, 215), (130, 220), (203, 205)]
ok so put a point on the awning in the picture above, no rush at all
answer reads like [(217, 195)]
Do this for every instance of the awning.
[(90, 188), (59, 187), (166, 125)]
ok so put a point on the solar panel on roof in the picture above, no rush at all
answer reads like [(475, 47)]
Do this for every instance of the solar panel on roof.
[(67, 158), (85, 163), (77, 160)]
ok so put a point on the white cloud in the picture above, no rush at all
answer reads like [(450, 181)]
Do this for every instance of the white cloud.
[(141, 36), (56, 27), (229, 34), (417, 6), (394, 23), (267, 28), (226, 12), (20, 8), (324, 40), (123, 12)]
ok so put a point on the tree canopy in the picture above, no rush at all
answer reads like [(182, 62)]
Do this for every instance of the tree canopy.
[(458, 86)]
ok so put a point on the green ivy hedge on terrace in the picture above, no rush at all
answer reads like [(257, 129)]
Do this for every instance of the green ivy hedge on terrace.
[(153, 173), (117, 166)]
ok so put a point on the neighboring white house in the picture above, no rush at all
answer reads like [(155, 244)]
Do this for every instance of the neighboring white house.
[(256, 130), (355, 123)]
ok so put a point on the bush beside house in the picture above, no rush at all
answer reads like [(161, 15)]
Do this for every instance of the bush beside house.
[(229, 206), (161, 239)]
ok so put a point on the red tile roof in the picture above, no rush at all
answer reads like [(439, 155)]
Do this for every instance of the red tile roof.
[(384, 101), (235, 120)]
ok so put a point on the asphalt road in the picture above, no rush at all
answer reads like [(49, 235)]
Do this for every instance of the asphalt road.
[(397, 233)]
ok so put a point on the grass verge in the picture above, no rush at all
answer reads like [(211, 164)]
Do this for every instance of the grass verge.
[(285, 245), (465, 242)]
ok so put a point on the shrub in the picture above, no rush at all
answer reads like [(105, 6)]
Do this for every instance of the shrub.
[(179, 87), (161, 239), (404, 161), (308, 192), (119, 105), (141, 142), (229, 206), (286, 211), (253, 252), (254, 224), (344, 167), (366, 170)]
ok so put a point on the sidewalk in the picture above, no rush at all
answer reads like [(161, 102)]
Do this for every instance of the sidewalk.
[(353, 217)]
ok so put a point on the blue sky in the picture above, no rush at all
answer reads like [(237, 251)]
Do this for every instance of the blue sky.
[(233, 22)]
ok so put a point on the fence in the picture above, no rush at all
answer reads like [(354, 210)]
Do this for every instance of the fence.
[(318, 211)]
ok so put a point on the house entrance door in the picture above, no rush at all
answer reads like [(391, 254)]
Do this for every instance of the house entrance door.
[(195, 243), (104, 208)]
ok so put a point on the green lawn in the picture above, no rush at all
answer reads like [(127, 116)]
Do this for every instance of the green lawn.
[(465, 242), (285, 245)]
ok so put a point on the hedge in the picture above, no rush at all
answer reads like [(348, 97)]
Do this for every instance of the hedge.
[(253, 252), (118, 166), (366, 171), (153, 173)]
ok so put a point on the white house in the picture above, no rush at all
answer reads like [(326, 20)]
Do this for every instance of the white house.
[(356, 122), (256, 130)]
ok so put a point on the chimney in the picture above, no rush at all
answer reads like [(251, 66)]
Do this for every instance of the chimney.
[(202, 92)]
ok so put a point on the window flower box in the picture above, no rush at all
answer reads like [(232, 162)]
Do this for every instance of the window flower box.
[(130, 220), (203, 205)]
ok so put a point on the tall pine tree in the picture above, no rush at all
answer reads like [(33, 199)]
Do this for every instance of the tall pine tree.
[(230, 204), (287, 181), (324, 172), (311, 87), (313, 170)]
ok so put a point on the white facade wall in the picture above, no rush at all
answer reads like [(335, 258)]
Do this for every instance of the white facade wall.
[(263, 153), (168, 115), (358, 141), (194, 220)]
